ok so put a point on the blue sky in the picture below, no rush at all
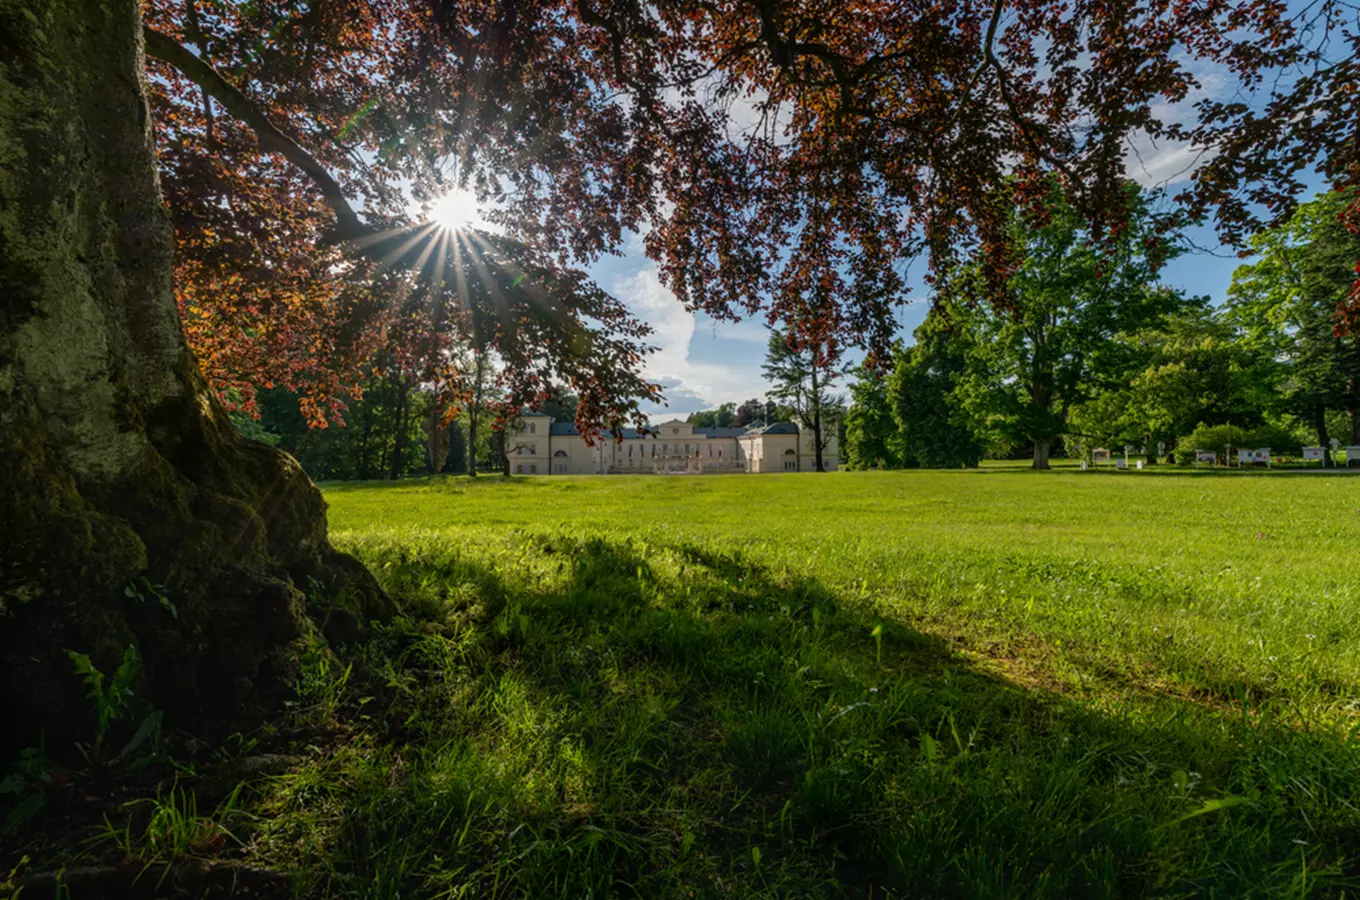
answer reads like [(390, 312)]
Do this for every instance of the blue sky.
[(703, 363)]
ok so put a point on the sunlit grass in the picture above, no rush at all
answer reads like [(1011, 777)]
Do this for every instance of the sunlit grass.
[(1080, 685)]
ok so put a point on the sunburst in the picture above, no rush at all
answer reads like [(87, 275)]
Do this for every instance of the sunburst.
[(455, 210)]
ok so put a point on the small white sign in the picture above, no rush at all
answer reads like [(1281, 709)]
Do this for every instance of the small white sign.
[(1262, 454), (1121, 463), (1140, 465), (1312, 454), (1100, 454), (1206, 456), (1352, 453), (1246, 456)]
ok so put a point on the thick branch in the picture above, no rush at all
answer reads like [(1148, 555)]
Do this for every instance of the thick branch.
[(171, 52), (784, 52), (590, 16)]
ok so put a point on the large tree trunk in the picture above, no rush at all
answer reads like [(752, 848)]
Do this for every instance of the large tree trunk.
[(436, 437), (1353, 409), (1042, 449), (816, 422), (1323, 435), (473, 416), (119, 470)]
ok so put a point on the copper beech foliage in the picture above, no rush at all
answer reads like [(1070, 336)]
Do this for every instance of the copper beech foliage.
[(783, 159)]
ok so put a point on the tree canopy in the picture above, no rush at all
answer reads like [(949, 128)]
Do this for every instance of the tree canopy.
[(1035, 361), (1287, 302), (782, 159)]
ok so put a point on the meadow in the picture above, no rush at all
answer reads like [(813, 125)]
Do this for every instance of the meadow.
[(915, 684)]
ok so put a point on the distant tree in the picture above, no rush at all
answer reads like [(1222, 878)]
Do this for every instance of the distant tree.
[(1044, 353), (1192, 370), (485, 395), (871, 432), (560, 404), (364, 449), (1289, 301), (802, 375), (723, 417), (456, 461), (932, 431), (749, 413)]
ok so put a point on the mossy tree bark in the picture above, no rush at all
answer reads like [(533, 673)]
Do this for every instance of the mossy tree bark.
[(121, 477)]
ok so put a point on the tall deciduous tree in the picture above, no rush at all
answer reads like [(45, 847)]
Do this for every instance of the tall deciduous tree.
[(1193, 369), (802, 375), (1036, 360), (884, 129), (1288, 302)]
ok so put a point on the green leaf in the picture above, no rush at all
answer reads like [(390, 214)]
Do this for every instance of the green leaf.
[(150, 725), (1214, 806), (26, 809)]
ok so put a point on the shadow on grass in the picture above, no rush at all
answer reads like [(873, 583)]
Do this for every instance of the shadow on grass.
[(641, 718)]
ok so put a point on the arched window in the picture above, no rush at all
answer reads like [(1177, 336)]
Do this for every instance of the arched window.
[(561, 453), (790, 453)]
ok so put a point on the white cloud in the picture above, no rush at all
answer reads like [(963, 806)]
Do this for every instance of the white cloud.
[(654, 304), (689, 384), (1155, 165)]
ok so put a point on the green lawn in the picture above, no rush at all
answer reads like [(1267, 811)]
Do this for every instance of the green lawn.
[(917, 684)]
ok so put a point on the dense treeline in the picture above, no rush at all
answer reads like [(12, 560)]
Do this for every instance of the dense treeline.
[(1093, 350), (393, 429)]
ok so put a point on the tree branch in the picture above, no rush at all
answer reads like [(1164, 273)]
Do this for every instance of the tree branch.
[(783, 52), (1017, 117), (197, 70)]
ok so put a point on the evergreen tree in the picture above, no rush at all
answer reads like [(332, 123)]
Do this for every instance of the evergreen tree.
[(802, 375)]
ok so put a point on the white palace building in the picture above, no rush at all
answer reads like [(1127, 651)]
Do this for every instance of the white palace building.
[(541, 446)]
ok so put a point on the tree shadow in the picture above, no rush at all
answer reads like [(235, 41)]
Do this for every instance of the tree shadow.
[(656, 718)]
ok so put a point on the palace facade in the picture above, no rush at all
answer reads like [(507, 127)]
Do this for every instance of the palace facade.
[(541, 446)]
